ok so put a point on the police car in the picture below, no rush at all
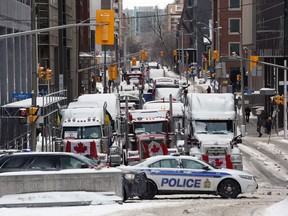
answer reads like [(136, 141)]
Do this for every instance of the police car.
[(171, 174)]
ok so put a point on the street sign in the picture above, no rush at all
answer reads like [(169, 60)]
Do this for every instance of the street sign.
[(21, 96)]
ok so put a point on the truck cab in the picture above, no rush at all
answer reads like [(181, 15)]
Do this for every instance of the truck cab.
[(212, 126), (149, 134)]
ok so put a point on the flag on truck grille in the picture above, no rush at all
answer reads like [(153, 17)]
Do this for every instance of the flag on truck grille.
[(154, 148), (83, 148)]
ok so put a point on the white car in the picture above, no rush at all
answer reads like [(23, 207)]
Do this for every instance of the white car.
[(175, 174)]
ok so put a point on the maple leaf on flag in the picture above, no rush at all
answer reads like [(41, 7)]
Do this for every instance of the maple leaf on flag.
[(155, 149), (80, 148), (218, 162)]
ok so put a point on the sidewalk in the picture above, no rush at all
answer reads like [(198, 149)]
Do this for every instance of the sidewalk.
[(251, 133)]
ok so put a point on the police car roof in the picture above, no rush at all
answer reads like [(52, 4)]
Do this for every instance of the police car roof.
[(172, 156)]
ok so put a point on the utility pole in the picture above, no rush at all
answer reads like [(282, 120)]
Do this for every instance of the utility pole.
[(182, 54), (34, 74)]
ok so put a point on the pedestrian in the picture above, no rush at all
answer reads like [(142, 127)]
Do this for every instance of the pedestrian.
[(208, 90), (259, 125), (247, 113), (268, 125)]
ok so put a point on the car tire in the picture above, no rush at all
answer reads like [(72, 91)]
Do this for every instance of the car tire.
[(151, 191), (229, 188), (124, 195)]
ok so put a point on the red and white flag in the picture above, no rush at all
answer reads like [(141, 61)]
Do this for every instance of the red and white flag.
[(80, 147), (154, 148)]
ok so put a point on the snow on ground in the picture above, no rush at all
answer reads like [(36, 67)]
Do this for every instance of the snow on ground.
[(279, 209)]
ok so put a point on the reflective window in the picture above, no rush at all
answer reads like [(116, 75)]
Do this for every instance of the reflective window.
[(234, 4), (234, 26), (166, 163), (44, 162), (191, 164), (14, 162)]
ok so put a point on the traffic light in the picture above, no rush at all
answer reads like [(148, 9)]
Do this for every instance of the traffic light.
[(215, 55), (48, 74), (133, 61), (105, 31), (253, 62), (23, 115), (238, 77), (33, 114), (113, 73), (175, 52), (40, 72), (279, 99), (161, 53)]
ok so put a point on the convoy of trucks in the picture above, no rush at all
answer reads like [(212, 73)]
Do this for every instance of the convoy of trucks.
[(108, 127)]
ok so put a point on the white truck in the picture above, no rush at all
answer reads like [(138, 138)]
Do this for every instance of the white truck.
[(212, 128), (87, 127), (155, 71), (82, 130)]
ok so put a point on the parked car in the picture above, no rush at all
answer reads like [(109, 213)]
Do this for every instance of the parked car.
[(175, 174), (134, 183)]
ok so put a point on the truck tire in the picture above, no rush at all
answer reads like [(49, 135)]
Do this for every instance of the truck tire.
[(229, 188), (151, 191)]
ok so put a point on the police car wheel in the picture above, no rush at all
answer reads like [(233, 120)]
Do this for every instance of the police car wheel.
[(229, 188), (151, 191)]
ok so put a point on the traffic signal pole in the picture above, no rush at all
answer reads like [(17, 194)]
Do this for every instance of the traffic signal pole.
[(34, 74)]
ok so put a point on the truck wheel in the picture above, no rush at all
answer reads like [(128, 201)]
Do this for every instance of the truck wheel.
[(151, 191), (229, 188)]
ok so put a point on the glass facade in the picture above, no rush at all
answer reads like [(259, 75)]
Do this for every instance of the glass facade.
[(270, 28)]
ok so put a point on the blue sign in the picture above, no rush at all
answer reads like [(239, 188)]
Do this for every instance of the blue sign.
[(21, 96)]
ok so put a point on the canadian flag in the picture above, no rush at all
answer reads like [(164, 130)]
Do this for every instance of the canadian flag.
[(219, 161), (84, 148), (153, 148)]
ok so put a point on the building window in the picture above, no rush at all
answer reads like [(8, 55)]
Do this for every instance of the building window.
[(234, 26), (234, 4), (234, 47)]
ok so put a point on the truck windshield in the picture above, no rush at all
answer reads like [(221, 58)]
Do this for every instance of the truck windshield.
[(214, 127), (91, 132), (150, 127)]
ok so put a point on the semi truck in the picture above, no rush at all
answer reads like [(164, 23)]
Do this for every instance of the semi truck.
[(149, 134), (87, 129), (211, 129)]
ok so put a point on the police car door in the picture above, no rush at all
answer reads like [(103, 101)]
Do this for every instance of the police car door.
[(166, 173), (195, 178)]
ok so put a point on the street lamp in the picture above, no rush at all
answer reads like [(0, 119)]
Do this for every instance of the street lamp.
[(216, 30)]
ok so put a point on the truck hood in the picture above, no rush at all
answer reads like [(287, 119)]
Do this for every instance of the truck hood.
[(149, 136), (215, 139)]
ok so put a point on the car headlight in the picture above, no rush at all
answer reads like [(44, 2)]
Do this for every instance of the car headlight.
[(248, 177), (129, 176)]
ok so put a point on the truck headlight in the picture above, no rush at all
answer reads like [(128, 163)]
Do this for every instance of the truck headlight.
[(129, 176), (248, 177), (236, 158)]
